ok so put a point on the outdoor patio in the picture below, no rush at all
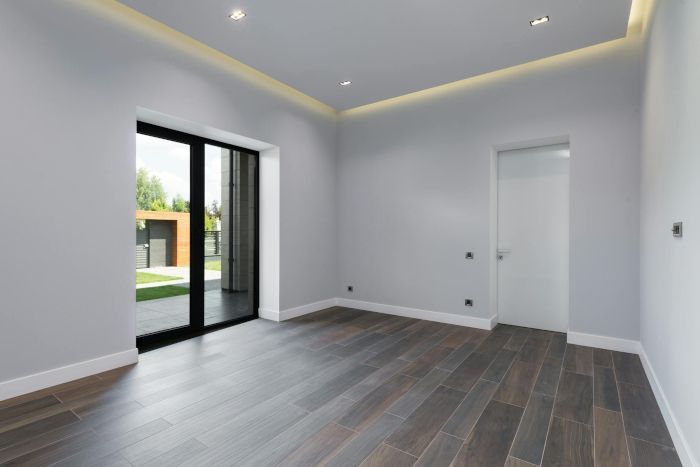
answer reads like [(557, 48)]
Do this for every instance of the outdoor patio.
[(171, 312)]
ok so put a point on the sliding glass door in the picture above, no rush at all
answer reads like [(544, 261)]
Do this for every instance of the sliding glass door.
[(196, 235), (230, 233), (162, 234)]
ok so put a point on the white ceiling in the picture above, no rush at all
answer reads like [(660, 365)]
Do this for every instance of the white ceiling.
[(388, 47)]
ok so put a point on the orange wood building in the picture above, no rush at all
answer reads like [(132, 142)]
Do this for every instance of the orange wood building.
[(180, 222)]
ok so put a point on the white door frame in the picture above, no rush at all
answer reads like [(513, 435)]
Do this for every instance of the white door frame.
[(493, 227)]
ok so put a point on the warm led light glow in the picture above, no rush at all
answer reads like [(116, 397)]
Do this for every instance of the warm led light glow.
[(144, 25), (535, 22), (345, 83), (237, 15)]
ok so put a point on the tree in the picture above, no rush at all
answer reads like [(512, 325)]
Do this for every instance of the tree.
[(215, 209), (180, 204), (150, 195), (209, 222)]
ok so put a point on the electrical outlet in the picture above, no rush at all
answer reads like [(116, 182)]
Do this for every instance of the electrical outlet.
[(469, 302), (350, 288), (677, 229)]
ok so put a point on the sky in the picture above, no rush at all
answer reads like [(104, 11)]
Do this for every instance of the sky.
[(169, 161)]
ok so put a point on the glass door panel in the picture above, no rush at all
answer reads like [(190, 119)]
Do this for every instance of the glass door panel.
[(230, 234), (162, 235)]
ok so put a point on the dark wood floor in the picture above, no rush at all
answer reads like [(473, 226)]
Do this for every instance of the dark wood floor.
[(344, 387)]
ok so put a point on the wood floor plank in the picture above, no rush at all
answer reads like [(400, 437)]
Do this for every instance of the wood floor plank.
[(500, 365), (642, 416), (518, 339), (517, 385), (286, 442), (457, 356), (425, 344), (374, 380), (385, 455), (468, 372), (441, 451), (37, 428), (241, 440), (602, 357), (57, 451), (548, 378), (321, 446), (32, 444), (535, 349), (457, 338), (461, 423), (357, 346), (365, 442), (391, 353), (645, 454), (579, 359), (530, 439), (418, 393), (605, 389), (574, 399), (610, 443), (515, 462), (334, 336), (492, 344), (491, 438), (427, 362), (404, 346), (629, 369), (178, 455), (25, 409), (335, 387), (416, 432), (94, 453), (367, 409), (557, 346), (568, 443)]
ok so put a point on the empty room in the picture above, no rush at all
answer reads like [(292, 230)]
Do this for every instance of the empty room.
[(320, 233)]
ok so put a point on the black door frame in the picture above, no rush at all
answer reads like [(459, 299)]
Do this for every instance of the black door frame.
[(196, 326)]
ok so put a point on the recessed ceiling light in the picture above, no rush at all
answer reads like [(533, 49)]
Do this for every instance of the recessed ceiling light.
[(237, 15), (345, 83), (535, 22)]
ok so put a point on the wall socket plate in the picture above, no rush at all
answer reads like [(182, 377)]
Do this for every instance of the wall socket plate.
[(350, 288), (468, 302), (677, 229)]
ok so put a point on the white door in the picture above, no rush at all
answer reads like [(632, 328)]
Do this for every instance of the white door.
[(533, 237)]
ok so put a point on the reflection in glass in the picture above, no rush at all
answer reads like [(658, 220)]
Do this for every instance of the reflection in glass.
[(229, 238)]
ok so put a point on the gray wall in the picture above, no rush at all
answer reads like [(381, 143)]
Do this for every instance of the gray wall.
[(670, 321), (415, 187), (73, 74)]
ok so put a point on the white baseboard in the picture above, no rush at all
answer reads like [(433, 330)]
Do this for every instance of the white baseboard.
[(603, 342), (272, 315), (46, 379), (679, 440), (290, 313), (440, 317)]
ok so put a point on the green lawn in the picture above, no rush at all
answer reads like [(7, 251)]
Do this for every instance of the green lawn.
[(147, 278), (152, 293), (213, 265)]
